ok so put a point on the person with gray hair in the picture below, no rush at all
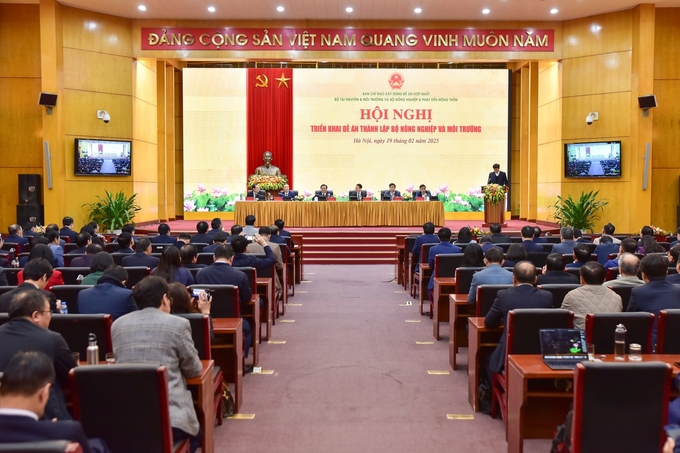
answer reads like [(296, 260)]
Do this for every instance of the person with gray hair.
[(566, 247), (629, 267)]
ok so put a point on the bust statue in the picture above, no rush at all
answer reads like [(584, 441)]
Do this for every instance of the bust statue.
[(267, 169)]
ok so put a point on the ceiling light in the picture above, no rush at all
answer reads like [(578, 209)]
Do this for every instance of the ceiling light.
[(349, 9), (141, 8), (554, 11), (211, 9), (280, 9), (417, 10), (486, 11), (530, 31)]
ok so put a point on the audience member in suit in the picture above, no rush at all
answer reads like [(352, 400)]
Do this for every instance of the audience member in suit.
[(673, 255), (674, 278), (629, 267), (677, 238), (27, 330), (528, 242), (129, 228), (522, 295), (392, 192), (514, 255), (581, 256), (250, 229), (221, 272), (283, 233), (444, 246), (657, 293), (216, 225), (100, 262), (4, 256), (628, 245), (26, 385), (42, 251), (163, 235), (170, 268), (109, 296), (422, 193), (286, 192), (93, 230), (153, 335), (58, 252), (143, 256), (428, 237), (486, 244), (498, 177), (234, 231), (256, 193), (607, 230), (54, 227), (83, 240), (126, 243), (537, 236), (189, 255), (40, 240), (276, 239), (554, 272), (184, 239), (323, 192), (240, 243), (254, 247), (494, 274), (218, 239), (591, 297), (606, 248), (202, 237), (16, 235), (67, 230), (566, 247), (578, 237), (86, 259), (358, 193), (35, 277), (31, 230), (496, 236)]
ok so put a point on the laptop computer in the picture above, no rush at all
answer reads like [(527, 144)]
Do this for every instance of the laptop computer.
[(562, 349)]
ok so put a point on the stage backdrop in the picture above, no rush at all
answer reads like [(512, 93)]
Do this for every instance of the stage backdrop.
[(442, 128)]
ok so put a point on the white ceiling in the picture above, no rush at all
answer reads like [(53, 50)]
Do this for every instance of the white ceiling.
[(390, 10)]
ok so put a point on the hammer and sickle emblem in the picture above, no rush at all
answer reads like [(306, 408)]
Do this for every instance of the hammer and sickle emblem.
[(262, 81)]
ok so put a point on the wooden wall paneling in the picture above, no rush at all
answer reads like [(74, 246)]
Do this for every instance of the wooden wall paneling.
[(80, 114), (665, 197), (550, 122), (179, 146), (96, 32), (515, 115), (170, 140), (97, 72), (161, 112), (549, 82), (596, 35), (666, 139), (595, 74), (614, 113), (20, 122), (550, 166), (85, 189), (546, 196), (615, 192), (19, 41), (524, 142), (667, 43), (147, 199), (532, 152)]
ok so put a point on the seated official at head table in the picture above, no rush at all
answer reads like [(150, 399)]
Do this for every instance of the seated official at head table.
[(323, 192), (287, 193), (358, 193), (392, 192), (422, 193), (256, 193)]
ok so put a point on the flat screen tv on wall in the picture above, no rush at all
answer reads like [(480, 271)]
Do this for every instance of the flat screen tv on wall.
[(96, 157), (592, 160)]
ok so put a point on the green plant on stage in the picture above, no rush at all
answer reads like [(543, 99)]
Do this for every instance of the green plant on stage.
[(581, 213), (112, 212)]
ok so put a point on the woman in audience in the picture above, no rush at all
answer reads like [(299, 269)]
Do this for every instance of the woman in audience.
[(100, 262), (170, 268), (183, 302), (515, 254), (43, 251), (649, 245), (37, 240), (473, 256), (464, 236)]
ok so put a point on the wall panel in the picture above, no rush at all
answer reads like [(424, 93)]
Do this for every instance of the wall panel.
[(667, 43), (19, 41), (80, 112), (95, 32), (597, 35), (595, 74), (614, 111), (97, 72)]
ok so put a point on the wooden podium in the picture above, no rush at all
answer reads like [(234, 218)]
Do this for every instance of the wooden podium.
[(494, 213)]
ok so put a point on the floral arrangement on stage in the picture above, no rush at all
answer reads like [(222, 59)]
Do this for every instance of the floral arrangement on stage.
[(299, 198), (494, 193), (267, 182), (477, 232), (406, 195), (658, 231), (218, 200)]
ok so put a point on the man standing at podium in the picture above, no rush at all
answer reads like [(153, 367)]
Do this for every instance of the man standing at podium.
[(497, 176)]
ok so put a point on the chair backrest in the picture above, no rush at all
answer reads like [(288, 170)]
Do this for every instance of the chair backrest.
[(6, 289), (425, 252), (70, 274), (445, 265), (158, 248), (574, 271), (409, 242), (547, 246), (486, 294), (559, 291), (205, 258), (70, 257), (200, 333), (194, 271), (667, 338), (76, 329), (251, 272), (112, 247), (504, 245), (620, 406), (118, 258), (11, 275), (42, 446), (624, 292), (600, 329), (199, 246), (524, 324), (464, 278), (136, 274), (225, 303), (538, 258), (69, 294), (69, 247), (136, 415)]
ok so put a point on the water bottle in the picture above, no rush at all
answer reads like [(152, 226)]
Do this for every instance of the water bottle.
[(620, 342), (427, 198), (92, 350), (63, 309)]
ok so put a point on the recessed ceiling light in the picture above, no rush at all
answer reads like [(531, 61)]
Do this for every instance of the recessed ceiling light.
[(554, 11), (486, 11), (417, 10), (349, 9), (211, 9), (280, 9), (141, 8)]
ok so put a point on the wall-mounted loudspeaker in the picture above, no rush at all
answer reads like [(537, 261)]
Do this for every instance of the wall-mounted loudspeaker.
[(29, 189), (47, 99), (647, 101)]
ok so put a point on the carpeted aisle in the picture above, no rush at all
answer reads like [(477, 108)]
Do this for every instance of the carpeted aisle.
[(351, 377)]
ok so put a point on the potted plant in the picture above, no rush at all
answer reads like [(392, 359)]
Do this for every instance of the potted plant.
[(113, 211), (581, 213)]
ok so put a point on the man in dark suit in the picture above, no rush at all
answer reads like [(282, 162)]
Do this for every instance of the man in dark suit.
[(283, 233), (528, 243), (109, 295), (566, 247), (143, 256), (24, 392), (423, 193), (358, 193), (86, 259), (31, 230), (445, 246), (82, 241), (677, 238), (628, 245), (235, 230), (240, 243), (67, 230), (189, 255), (286, 193), (578, 237), (221, 272), (606, 248), (216, 225), (522, 295), (392, 193), (486, 243), (27, 330), (554, 272), (537, 236), (126, 242), (16, 235), (323, 193), (581, 256), (276, 239), (498, 177), (496, 236), (163, 235), (657, 293), (93, 230), (428, 237), (256, 193), (219, 238), (202, 237), (36, 275)]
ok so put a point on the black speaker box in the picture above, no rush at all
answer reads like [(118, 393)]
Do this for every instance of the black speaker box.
[(30, 213), (29, 189)]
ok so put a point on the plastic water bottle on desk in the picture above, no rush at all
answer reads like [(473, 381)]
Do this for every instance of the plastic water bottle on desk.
[(63, 308), (620, 342)]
